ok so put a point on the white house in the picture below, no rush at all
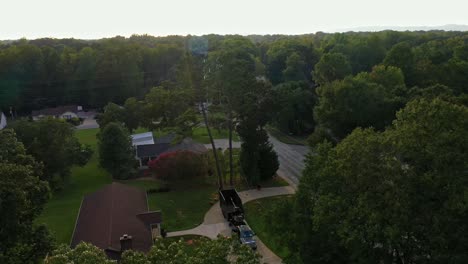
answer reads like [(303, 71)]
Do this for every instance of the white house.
[(3, 121), (64, 112)]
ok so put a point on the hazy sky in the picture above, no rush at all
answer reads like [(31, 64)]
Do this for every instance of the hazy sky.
[(104, 18)]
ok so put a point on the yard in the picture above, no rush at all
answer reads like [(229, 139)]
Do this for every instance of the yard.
[(199, 134), (183, 207), (255, 212), (61, 211)]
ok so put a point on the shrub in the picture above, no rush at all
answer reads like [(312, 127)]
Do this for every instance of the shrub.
[(178, 165)]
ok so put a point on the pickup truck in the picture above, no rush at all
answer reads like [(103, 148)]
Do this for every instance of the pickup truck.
[(246, 235)]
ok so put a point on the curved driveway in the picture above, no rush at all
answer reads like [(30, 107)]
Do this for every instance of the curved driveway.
[(214, 224)]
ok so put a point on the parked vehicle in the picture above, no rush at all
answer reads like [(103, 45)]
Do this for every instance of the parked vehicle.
[(246, 236), (231, 206)]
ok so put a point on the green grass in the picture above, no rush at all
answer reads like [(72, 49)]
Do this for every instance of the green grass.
[(255, 212), (273, 182), (183, 207), (61, 211), (200, 134), (287, 139)]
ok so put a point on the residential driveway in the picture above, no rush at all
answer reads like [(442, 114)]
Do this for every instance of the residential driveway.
[(88, 123), (214, 223), (291, 159)]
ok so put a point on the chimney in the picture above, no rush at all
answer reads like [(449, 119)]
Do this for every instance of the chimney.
[(125, 242)]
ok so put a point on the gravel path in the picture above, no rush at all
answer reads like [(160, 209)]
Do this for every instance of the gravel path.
[(214, 223)]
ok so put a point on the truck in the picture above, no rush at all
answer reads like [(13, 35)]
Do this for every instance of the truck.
[(231, 206)]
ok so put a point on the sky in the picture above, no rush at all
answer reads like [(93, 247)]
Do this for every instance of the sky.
[(91, 19)]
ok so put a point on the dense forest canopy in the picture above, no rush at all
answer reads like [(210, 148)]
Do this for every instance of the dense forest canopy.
[(48, 72), (386, 113)]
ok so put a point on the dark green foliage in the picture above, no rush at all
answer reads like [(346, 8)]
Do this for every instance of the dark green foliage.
[(290, 59), (22, 196), (116, 153), (52, 142), (202, 250), (112, 113), (374, 197), (331, 67), (268, 162), (294, 105)]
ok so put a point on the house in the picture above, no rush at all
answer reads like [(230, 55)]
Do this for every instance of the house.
[(142, 139), (64, 112), (116, 218), (3, 121), (145, 153)]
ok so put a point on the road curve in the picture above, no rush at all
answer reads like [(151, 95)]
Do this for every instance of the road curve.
[(291, 159)]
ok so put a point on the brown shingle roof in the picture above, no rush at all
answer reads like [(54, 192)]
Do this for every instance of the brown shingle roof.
[(111, 212)]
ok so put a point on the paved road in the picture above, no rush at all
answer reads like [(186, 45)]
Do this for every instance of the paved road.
[(214, 224), (291, 159)]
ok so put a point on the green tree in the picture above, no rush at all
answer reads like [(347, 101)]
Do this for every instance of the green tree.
[(185, 123), (116, 153), (112, 113), (22, 196), (331, 67), (362, 200), (294, 103), (401, 56), (52, 142), (219, 251), (83, 253), (231, 72), (294, 70), (133, 113)]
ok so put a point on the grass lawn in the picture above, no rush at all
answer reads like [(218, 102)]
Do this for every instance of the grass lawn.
[(61, 211), (183, 207), (287, 139), (255, 212), (273, 182), (200, 134)]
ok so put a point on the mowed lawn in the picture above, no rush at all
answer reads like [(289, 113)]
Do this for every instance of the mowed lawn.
[(200, 134), (61, 211), (255, 212)]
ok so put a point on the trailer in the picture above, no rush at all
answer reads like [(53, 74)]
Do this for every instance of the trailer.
[(231, 205)]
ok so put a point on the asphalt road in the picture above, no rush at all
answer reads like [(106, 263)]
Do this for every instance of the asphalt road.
[(291, 159)]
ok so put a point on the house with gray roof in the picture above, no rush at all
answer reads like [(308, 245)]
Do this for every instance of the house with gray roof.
[(147, 152)]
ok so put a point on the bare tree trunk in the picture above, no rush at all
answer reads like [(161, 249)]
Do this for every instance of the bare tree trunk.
[(231, 172), (215, 151), (205, 119)]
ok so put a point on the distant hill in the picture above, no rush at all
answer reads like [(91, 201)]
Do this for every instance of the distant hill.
[(449, 27)]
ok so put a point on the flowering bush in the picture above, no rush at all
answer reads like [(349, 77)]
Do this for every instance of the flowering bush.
[(178, 165)]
